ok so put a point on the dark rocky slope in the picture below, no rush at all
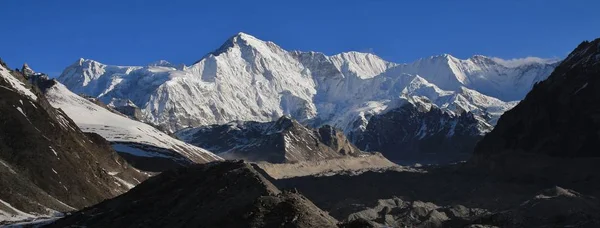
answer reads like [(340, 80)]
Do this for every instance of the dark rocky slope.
[(219, 194), (552, 135), (46, 163), (413, 132), (281, 141)]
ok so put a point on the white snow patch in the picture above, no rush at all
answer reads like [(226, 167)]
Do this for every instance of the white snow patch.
[(21, 111), (53, 151), (129, 185), (582, 87), (117, 128), (16, 84), (516, 62), (7, 166), (14, 214)]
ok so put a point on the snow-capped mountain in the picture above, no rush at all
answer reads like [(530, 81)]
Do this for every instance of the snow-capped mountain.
[(251, 79), (248, 79), (143, 145)]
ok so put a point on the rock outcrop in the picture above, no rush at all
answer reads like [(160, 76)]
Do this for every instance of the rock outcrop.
[(420, 131), (281, 141)]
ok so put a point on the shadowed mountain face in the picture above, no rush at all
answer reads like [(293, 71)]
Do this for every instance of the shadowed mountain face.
[(47, 164), (219, 194), (554, 131), (412, 133)]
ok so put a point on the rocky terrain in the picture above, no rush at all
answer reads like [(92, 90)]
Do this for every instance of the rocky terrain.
[(281, 141), (445, 197), (220, 194), (285, 148), (418, 130), (556, 206), (47, 164)]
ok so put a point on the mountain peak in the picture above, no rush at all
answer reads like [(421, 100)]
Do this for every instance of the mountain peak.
[(163, 63), (482, 59), (27, 70), (244, 36), (239, 39), (82, 61), (443, 57)]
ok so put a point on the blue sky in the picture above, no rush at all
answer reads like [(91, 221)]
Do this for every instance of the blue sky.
[(50, 35)]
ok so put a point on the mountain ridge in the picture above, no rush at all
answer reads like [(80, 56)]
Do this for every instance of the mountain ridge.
[(248, 79)]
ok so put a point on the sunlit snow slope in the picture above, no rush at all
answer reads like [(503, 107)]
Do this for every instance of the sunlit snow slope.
[(126, 135)]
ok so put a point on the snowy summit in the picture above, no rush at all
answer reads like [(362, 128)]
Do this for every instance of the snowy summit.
[(250, 79)]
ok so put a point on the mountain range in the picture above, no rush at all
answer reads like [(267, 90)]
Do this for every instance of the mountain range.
[(533, 162), (248, 79)]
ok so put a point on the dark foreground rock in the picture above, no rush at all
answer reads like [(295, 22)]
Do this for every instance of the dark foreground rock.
[(552, 207), (220, 194), (445, 197)]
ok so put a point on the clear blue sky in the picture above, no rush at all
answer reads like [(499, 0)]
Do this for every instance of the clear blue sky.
[(51, 35)]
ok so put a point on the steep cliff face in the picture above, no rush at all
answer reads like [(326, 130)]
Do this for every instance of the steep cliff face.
[(47, 164), (554, 130)]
